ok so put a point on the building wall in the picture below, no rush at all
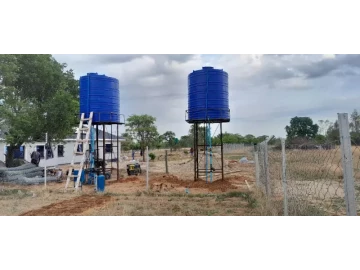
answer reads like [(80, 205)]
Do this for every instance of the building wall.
[(68, 153)]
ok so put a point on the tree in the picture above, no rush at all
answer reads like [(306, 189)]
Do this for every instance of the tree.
[(324, 126), (142, 128), (186, 141), (301, 127), (127, 144), (321, 139), (201, 133), (158, 142), (38, 97), (333, 133), (355, 122), (169, 138)]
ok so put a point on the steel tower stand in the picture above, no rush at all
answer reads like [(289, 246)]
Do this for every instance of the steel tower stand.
[(203, 149), (100, 159)]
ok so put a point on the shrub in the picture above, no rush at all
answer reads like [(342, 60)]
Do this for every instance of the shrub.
[(152, 156), (186, 152)]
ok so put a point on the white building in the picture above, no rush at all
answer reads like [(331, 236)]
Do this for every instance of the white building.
[(63, 153)]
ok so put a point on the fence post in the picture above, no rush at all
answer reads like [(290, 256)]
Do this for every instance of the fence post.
[(166, 161), (283, 154), (266, 168), (257, 167), (147, 167), (347, 164)]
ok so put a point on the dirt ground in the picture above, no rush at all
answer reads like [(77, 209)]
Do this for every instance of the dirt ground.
[(175, 193)]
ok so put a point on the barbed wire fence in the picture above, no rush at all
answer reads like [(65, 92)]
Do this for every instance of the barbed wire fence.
[(299, 180)]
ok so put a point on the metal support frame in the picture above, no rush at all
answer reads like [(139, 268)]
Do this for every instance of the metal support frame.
[(209, 171), (97, 156)]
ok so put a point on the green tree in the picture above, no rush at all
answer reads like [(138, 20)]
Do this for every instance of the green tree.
[(38, 97), (333, 133), (142, 128), (186, 141), (158, 142), (301, 127), (355, 121), (323, 126), (201, 133), (127, 144), (169, 138), (320, 139)]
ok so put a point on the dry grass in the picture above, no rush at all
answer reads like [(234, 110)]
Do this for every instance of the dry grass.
[(314, 180), (127, 197), (314, 188), (15, 200), (176, 204)]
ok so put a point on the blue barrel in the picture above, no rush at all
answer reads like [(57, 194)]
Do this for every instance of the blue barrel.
[(101, 183), (82, 178), (100, 94), (208, 96)]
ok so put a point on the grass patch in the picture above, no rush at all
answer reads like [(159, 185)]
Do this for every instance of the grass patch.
[(9, 192), (234, 157)]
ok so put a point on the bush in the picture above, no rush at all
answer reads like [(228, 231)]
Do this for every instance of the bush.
[(152, 156), (186, 152)]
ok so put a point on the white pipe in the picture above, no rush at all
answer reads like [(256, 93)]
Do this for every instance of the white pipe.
[(45, 155), (147, 167)]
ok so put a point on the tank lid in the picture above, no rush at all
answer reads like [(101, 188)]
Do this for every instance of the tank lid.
[(207, 68)]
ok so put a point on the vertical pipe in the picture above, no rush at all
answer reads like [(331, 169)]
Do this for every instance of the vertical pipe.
[(210, 153), (111, 154), (147, 167), (97, 144), (104, 149), (205, 146), (45, 157), (206, 151), (222, 152), (197, 143), (118, 154), (195, 151)]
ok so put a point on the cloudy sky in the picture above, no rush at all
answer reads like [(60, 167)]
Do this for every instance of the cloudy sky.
[(265, 90)]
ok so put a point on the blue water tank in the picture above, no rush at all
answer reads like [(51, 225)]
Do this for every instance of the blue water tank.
[(100, 183), (208, 96), (100, 94)]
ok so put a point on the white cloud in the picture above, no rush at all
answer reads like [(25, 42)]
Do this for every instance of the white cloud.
[(265, 91)]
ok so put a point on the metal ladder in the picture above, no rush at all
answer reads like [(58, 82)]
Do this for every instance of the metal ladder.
[(83, 151)]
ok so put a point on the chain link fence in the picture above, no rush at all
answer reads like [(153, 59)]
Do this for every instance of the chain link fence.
[(318, 180)]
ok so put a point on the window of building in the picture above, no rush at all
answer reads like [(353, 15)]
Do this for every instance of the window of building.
[(60, 151), (49, 152), (40, 149), (80, 147), (108, 148)]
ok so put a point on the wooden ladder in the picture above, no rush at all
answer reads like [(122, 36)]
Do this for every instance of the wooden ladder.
[(85, 143)]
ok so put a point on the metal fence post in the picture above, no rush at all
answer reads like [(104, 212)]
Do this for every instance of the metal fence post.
[(266, 168), (283, 154), (347, 164)]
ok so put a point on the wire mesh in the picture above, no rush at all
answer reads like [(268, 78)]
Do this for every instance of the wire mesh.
[(355, 149), (314, 178)]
